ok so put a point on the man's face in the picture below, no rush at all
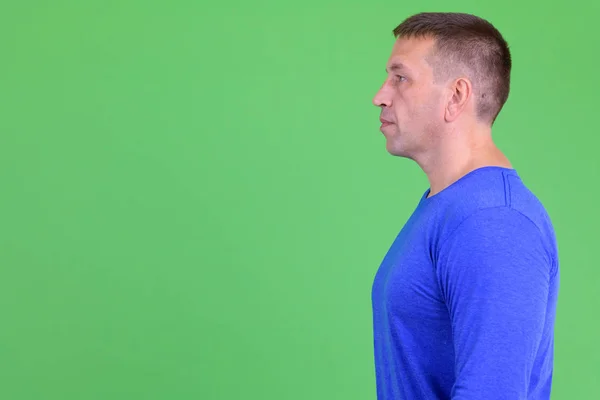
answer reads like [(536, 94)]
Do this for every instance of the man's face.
[(412, 110)]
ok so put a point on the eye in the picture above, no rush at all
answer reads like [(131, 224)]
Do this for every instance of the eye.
[(400, 78)]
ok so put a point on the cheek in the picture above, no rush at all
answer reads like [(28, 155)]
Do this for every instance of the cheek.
[(431, 105), (436, 99), (411, 110), (417, 105), (404, 104), (414, 98)]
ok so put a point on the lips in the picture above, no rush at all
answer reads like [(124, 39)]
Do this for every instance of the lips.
[(385, 122)]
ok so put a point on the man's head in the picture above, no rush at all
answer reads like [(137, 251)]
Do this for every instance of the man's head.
[(447, 72)]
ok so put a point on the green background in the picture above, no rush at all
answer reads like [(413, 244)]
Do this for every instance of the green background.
[(196, 196)]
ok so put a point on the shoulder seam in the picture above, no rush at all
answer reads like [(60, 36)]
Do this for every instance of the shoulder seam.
[(441, 245), (551, 256), (507, 197)]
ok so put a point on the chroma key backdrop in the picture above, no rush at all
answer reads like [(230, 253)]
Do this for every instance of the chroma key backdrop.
[(195, 195)]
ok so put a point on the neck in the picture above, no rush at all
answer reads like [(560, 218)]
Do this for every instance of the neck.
[(459, 155)]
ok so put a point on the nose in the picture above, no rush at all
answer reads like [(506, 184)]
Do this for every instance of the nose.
[(382, 97)]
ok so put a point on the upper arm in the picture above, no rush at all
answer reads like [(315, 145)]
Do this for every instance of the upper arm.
[(494, 273)]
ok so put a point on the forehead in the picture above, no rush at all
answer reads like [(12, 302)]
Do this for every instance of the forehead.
[(412, 53)]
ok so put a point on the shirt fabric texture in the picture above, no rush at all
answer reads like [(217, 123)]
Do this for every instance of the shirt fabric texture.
[(464, 301)]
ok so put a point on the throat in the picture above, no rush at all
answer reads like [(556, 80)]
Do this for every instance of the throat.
[(446, 172)]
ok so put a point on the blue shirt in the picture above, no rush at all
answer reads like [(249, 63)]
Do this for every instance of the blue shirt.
[(464, 301)]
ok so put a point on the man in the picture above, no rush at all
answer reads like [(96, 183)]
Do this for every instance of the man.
[(464, 301)]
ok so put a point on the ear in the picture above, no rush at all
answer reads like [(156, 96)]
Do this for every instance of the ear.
[(461, 91)]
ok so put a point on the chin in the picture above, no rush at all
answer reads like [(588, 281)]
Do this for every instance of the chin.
[(392, 145), (397, 151)]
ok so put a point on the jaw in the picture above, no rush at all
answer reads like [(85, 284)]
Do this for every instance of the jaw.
[(423, 149)]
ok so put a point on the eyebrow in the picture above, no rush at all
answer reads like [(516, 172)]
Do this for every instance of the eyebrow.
[(396, 67)]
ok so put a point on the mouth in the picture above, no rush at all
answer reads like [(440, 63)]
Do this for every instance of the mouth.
[(385, 122)]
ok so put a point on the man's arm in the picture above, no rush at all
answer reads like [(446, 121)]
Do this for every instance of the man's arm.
[(494, 273)]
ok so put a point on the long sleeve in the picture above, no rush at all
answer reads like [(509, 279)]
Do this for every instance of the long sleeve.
[(494, 273)]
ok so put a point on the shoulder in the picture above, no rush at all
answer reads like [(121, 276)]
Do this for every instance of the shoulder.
[(512, 236), (490, 205), (498, 239), (493, 222)]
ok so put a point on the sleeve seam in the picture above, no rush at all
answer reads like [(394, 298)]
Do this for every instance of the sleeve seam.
[(455, 230)]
